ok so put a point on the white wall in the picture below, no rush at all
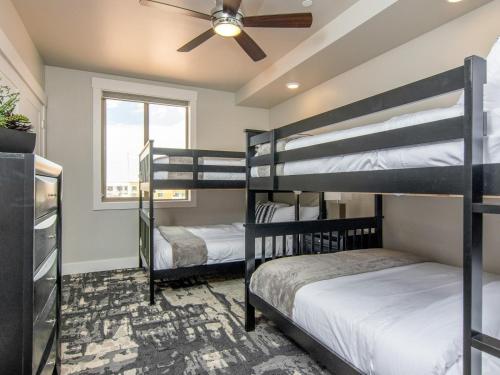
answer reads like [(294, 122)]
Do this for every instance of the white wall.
[(429, 226), (109, 239), (13, 27), (21, 68)]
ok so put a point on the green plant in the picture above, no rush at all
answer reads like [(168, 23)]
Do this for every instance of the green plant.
[(9, 119)]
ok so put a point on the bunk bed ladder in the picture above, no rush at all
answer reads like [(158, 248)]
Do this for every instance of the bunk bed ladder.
[(474, 341)]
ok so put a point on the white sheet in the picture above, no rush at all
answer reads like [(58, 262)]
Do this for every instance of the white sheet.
[(405, 320), (225, 243), (428, 155), (203, 175)]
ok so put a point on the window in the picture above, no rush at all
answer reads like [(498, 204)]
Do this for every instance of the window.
[(125, 115), (129, 121)]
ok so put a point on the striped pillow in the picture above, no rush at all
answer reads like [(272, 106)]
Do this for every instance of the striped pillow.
[(264, 212)]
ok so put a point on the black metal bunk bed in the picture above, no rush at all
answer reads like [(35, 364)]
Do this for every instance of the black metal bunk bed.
[(147, 186), (472, 180)]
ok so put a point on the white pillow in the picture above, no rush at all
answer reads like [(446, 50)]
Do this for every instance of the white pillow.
[(309, 213), (283, 214), (288, 214), (265, 148), (492, 87)]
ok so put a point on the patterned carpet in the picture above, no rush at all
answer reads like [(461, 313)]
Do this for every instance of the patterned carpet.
[(110, 328)]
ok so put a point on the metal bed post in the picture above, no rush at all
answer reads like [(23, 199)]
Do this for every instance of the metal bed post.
[(379, 204), (151, 224), (249, 236), (475, 78)]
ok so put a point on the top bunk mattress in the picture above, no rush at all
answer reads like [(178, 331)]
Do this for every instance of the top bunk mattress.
[(202, 175), (437, 154)]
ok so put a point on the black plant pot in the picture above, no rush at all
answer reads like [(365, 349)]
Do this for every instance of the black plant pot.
[(16, 141)]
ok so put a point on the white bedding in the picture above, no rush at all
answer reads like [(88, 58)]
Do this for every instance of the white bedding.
[(428, 155), (225, 243), (201, 175), (404, 320)]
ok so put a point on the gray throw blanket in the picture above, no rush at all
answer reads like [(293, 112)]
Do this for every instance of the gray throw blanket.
[(187, 249), (278, 281)]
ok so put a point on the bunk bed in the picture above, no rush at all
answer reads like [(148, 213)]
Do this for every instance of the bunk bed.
[(177, 169), (368, 160)]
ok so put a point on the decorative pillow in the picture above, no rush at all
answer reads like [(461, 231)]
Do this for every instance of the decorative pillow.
[(283, 214), (309, 213), (288, 214), (264, 212)]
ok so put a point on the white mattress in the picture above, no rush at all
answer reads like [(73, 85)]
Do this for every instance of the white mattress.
[(428, 155), (405, 320), (201, 175), (225, 243)]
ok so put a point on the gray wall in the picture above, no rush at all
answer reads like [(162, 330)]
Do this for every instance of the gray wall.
[(426, 225), (13, 27), (94, 236)]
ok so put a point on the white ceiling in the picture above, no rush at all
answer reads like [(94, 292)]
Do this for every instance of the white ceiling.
[(122, 37)]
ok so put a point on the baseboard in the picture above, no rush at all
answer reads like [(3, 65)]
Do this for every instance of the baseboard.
[(99, 265)]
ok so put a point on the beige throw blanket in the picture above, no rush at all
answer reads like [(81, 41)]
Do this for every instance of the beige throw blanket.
[(277, 281), (187, 249)]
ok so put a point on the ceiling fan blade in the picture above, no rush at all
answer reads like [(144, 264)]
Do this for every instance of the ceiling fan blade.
[(250, 47), (231, 6), (280, 20), (197, 41), (181, 10)]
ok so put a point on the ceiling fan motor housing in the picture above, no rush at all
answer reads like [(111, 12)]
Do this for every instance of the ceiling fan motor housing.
[(220, 16)]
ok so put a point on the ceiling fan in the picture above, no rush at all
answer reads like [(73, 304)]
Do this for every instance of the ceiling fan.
[(228, 21)]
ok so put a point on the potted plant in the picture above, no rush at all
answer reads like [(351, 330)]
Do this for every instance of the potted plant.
[(16, 134)]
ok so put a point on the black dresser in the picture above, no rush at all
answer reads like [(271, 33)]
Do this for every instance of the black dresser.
[(30, 264)]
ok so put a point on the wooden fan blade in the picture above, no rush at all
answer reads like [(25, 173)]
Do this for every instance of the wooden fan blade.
[(231, 6), (197, 41), (181, 10), (280, 20), (250, 47)]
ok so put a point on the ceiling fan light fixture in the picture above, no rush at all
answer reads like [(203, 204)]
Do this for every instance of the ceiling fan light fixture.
[(227, 26)]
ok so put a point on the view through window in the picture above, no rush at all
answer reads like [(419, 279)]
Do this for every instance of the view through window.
[(128, 123)]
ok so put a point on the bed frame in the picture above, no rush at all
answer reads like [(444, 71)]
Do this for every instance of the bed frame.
[(148, 184), (473, 181)]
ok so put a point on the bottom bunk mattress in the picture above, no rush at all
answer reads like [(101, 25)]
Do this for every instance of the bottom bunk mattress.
[(397, 319), (224, 243)]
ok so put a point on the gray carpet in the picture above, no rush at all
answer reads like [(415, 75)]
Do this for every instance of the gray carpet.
[(194, 328)]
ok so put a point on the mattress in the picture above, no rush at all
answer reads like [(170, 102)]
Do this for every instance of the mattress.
[(437, 154), (201, 175), (403, 320), (225, 243)]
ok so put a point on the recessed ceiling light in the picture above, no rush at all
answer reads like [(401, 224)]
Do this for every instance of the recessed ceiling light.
[(307, 3), (454, 1), (293, 85)]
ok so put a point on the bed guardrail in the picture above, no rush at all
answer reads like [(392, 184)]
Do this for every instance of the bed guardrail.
[(305, 237), (195, 166), (433, 180)]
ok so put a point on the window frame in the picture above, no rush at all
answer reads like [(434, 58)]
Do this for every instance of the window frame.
[(145, 101), (160, 94)]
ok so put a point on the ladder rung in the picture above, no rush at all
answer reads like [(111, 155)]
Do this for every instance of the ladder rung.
[(483, 208), (486, 344)]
